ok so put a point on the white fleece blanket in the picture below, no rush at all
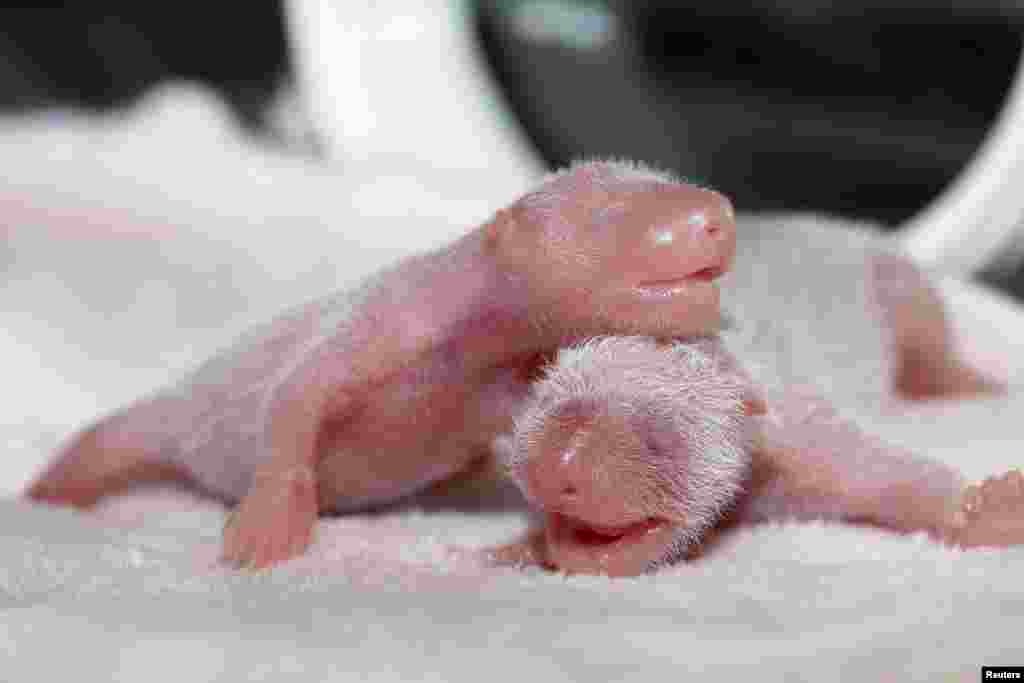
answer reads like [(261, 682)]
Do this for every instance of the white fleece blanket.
[(134, 247)]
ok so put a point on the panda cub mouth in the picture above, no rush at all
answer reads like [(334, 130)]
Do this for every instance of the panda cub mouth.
[(669, 287), (582, 533)]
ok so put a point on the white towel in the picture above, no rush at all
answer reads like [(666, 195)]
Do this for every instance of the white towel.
[(134, 248)]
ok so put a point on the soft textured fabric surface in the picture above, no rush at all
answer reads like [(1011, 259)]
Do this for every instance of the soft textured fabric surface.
[(135, 247)]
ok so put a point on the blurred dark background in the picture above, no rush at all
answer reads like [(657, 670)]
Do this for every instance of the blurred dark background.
[(859, 108), (104, 53)]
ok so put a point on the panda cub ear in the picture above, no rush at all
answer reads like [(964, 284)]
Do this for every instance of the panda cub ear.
[(502, 222), (753, 401)]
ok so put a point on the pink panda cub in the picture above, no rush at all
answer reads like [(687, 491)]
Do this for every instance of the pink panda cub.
[(634, 449)]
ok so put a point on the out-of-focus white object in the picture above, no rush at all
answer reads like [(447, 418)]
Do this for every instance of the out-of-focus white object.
[(403, 83), (977, 220), (988, 326)]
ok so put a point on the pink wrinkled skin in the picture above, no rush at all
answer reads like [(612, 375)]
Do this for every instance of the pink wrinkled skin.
[(371, 394)]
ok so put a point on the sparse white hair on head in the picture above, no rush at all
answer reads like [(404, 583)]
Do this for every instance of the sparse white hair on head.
[(599, 174), (612, 170), (686, 390)]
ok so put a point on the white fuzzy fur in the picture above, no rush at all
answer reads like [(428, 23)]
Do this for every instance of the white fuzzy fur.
[(598, 173), (614, 170), (686, 387)]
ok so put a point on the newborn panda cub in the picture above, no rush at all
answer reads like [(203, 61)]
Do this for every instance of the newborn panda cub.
[(634, 449), (370, 394)]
